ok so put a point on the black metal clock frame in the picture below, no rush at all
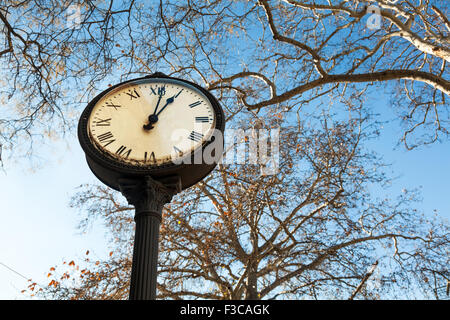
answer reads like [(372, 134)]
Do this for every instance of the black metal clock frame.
[(147, 188), (109, 170)]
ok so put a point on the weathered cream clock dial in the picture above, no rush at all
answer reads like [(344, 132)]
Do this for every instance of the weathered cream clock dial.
[(151, 122)]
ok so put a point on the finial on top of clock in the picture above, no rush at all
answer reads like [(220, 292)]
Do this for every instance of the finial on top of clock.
[(157, 74)]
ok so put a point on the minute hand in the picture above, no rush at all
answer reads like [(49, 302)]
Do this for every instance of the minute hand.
[(168, 101)]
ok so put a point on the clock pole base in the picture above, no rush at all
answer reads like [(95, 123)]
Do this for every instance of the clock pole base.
[(148, 196)]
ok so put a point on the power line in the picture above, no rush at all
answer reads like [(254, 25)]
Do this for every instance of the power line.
[(10, 269)]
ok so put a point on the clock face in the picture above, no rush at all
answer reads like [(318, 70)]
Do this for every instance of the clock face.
[(151, 121)]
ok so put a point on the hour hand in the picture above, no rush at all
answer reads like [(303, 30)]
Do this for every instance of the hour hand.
[(153, 118), (157, 104)]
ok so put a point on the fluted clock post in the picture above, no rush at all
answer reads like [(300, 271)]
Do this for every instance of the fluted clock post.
[(148, 196)]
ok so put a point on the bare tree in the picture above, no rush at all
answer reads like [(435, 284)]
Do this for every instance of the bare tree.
[(281, 54), (310, 231)]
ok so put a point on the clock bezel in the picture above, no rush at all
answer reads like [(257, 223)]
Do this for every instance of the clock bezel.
[(127, 169)]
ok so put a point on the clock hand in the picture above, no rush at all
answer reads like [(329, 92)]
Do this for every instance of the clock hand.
[(157, 104), (169, 101), (153, 118)]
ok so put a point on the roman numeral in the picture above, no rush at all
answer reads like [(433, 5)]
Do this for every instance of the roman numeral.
[(133, 94), (106, 137), (195, 136), (160, 92), (201, 119), (152, 157), (103, 122), (112, 105), (196, 103), (121, 152), (177, 150)]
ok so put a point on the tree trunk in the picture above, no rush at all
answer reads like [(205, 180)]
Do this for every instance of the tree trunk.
[(252, 282)]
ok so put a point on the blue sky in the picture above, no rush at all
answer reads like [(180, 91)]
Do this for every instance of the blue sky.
[(38, 228), (425, 168)]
